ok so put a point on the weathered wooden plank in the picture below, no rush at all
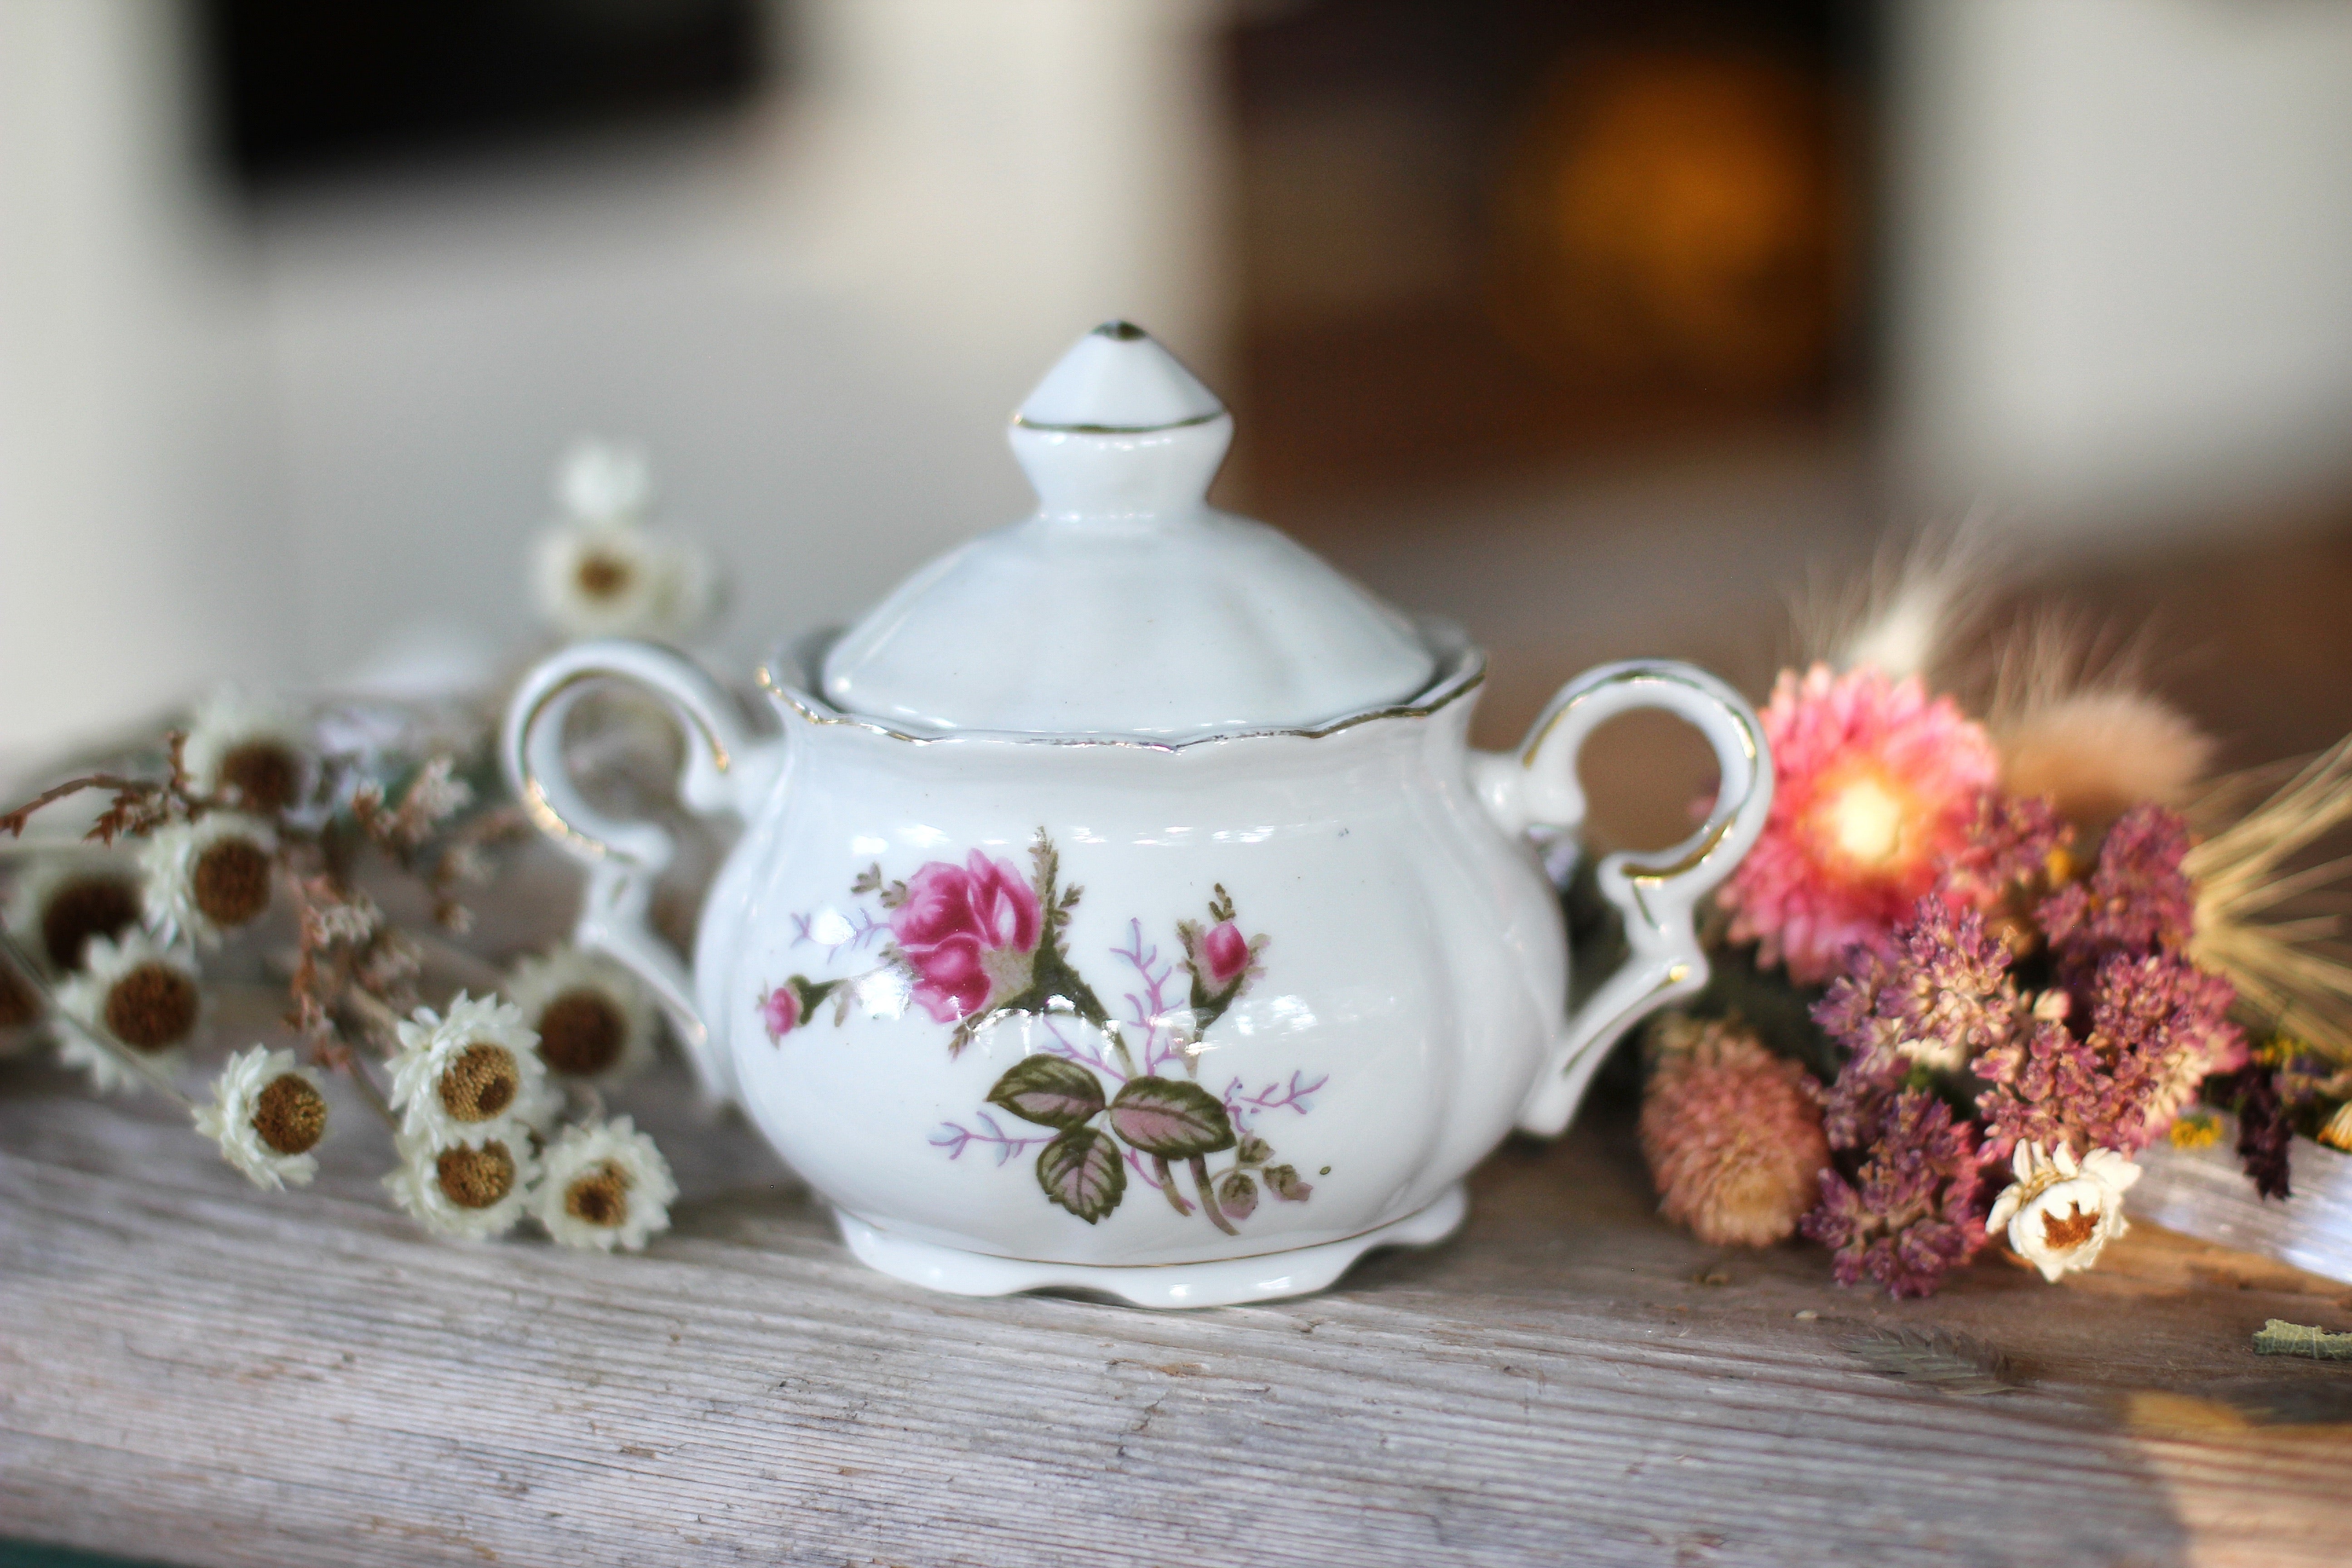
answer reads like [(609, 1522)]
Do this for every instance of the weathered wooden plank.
[(2204, 1192), (193, 1371)]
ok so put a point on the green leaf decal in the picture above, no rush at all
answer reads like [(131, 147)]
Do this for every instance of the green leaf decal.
[(1171, 1118), (1283, 1180), (1049, 1092), (1082, 1172), (1236, 1195)]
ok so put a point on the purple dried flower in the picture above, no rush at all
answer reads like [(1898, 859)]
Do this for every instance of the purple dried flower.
[(2137, 902), (2009, 849), (1944, 999), (1910, 1213), (2157, 1026), (2264, 1133)]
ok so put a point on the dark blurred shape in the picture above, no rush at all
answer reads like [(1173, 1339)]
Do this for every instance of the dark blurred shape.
[(307, 86), (1678, 216), (1483, 239)]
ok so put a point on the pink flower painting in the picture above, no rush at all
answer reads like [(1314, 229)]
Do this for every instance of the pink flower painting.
[(780, 1013), (969, 934), (1225, 953)]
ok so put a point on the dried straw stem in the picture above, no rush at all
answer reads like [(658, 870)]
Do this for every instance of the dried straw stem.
[(2277, 963)]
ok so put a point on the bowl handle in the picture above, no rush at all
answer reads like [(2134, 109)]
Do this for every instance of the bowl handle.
[(1655, 892), (724, 765)]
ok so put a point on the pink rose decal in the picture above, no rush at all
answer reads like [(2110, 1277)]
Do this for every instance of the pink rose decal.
[(1226, 954), (780, 1013), (969, 934)]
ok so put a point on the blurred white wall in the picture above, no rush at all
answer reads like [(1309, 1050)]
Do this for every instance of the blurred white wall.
[(139, 522), (2121, 255), (817, 317)]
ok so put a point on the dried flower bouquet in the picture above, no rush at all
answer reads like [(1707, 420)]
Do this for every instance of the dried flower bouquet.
[(262, 835), (1974, 966)]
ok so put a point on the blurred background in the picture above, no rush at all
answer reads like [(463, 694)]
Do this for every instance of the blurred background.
[(1601, 327)]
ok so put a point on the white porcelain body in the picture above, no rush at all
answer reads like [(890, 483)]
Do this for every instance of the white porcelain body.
[(1414, 971), (1405, 1004)]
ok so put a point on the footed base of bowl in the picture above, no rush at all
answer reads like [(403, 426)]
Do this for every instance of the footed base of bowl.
[(1222, 1283)]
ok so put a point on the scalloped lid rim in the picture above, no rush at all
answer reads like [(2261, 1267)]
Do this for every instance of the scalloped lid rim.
[(1126, 607)]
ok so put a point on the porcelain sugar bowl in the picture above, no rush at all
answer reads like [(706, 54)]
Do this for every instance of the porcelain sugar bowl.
[(1119, 905)]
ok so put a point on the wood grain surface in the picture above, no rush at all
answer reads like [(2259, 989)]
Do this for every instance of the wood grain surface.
[(193, 1372)]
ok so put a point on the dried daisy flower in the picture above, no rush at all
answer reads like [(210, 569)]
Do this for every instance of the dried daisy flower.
[(1733, 1135), (2061, 1216), (267, 1114), (67, 898), (1876, 788), (207, 878), (138, 994), (247, 752), (2281, 964), (603, 1186), (471, 1076), (602, 573), (467, 1190), (594, 1020)]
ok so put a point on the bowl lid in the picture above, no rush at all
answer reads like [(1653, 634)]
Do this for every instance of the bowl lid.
[(1125, 604)]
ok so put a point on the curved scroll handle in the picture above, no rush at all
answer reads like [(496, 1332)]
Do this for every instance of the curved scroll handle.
[(624, 857), (1656, 892)]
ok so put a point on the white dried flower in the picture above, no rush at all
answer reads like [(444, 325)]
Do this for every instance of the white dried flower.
[(2060, 1215), (249, 752), (601, 572), (617, 579), (603, 1186), (602, 482), (137, 993), (352, 920), (437, 794), (66, 897), (594, 1021), (267, 1114), (462, 1189), (472, 1076), (208, 877)]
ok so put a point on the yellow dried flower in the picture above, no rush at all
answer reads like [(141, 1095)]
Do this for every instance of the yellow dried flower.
[(2196, 1130)]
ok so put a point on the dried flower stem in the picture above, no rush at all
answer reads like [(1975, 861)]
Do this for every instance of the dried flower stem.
[(383, 1022), (373, 1095), (2278, 973)]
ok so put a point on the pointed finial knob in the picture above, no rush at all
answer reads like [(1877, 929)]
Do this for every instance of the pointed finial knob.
[(1117, 380)]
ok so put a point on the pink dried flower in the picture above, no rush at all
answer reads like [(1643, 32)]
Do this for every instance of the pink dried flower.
[(1910, 1213), (1876, 787), (2137, 900), (1733, 1135)]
